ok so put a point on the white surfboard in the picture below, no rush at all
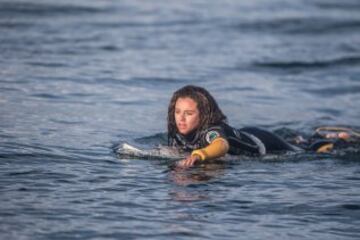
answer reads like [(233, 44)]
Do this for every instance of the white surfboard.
[(161, 152)]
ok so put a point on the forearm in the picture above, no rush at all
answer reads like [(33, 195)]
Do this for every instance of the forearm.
[(218, 148)]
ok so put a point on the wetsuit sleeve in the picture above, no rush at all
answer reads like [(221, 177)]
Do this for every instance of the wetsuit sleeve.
[(217, 148)]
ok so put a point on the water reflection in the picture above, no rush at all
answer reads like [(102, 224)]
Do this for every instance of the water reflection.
[(191, 183), (196, 175)]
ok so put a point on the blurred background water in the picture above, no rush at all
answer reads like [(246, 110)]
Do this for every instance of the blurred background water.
[(78, 77)]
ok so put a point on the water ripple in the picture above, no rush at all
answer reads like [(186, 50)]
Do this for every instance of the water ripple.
[(317, 64), (333, 91), (301, 25), (45, 9)]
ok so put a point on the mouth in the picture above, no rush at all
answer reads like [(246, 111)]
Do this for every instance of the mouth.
[(182, 126)]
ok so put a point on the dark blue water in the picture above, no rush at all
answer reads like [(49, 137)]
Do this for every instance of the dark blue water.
[(78, 77)]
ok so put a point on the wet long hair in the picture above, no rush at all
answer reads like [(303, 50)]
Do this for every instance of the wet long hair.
[(209, 111)]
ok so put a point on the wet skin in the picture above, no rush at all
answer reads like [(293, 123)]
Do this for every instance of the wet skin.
[(187, 118)]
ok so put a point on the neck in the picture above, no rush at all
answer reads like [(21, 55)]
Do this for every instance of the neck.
[(190, 136)]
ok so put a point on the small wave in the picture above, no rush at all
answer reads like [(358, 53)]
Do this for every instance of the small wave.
[(311, 25), (47, 96), (38, 172), (158, 80), (351, 206), (132, 102), (156, 139), (237, 89), (35, 9), (47, 64), (34, 156), (109, 48), (15, 25), (330, 111), (67, 122), (157, 24), (342, 61), (343, 5), (332, 91), (152, 82)]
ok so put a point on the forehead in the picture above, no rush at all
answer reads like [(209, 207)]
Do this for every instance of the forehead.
[(185, 102)]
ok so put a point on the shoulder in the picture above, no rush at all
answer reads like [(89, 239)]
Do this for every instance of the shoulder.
[(214, 132)]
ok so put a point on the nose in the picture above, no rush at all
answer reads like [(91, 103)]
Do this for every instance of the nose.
[(182, 117)]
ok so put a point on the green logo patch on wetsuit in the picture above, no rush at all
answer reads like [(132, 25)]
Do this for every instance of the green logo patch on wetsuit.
[(210, 136)]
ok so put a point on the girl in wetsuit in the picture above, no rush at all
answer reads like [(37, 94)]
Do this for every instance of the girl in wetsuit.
[(196, 124)]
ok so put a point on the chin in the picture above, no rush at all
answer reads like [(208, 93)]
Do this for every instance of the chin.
[(184, 132)]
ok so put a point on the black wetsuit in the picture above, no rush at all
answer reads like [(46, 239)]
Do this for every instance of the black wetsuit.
[(248, 140)]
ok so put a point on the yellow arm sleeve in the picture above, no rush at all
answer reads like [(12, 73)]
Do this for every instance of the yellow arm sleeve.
[(217, 148)]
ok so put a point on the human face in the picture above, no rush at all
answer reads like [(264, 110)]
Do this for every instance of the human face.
[(187, 116)]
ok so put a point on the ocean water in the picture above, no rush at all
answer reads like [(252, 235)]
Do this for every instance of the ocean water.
[(79, 77)]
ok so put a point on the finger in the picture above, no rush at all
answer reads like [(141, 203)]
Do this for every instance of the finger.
[(181, 163), (186, 163), (190, 162), (344, 135)]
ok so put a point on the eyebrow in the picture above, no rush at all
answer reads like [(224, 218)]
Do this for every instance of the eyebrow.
[(187, 110)]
